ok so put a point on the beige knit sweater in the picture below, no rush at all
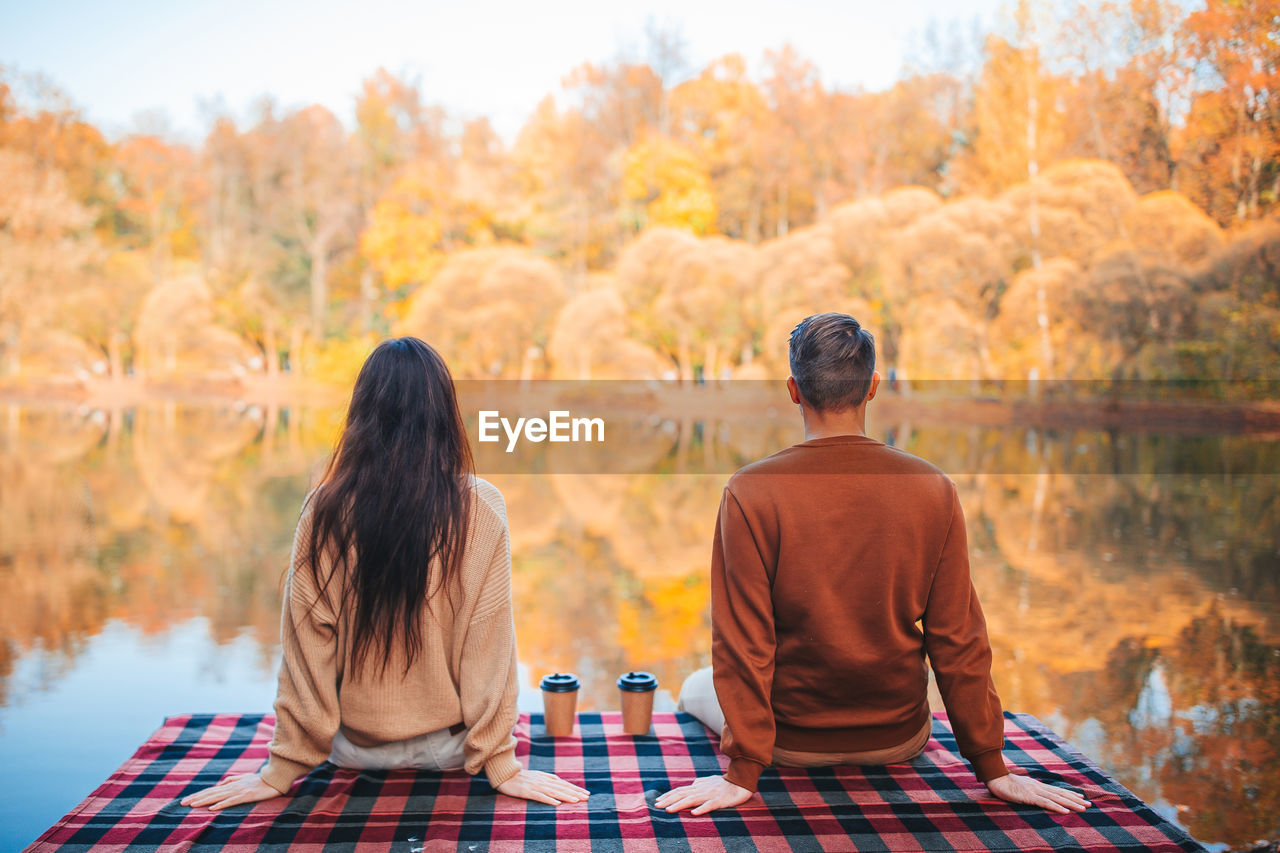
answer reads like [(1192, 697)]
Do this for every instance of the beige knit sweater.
[(465, 674)]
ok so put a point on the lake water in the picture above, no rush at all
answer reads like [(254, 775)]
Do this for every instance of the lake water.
[(1131, 583)]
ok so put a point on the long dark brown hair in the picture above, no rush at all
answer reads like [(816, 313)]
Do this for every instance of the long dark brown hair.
[(394, 504)]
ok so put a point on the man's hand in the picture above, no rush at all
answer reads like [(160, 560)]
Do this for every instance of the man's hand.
[(1033, 792), (543, 788), (246, 788), (704, 795)]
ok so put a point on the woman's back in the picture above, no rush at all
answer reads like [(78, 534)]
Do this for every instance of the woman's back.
[(396, 622), (464, 672)]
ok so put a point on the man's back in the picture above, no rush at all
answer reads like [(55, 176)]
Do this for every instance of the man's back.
[(839, 562), (838, 565)]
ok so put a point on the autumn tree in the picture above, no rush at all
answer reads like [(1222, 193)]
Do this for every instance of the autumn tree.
[(1232, 136), (860, 231), (489, 312), (593, 339), (707, 306), (1015, 341), (47, 128), (105, 306), (799, 152), (44, 245), (1016, 118), (1168, 224), (158, 192), (242, 257), (903, 136), (438, 204), (176, 334), (666, 185), (565, 170), (395, 129), (948, 269), (1237, 320), (1132, 75), (721, 115), (307, 163), (644, 269)]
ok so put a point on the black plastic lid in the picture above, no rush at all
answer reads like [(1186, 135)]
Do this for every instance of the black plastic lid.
[(638, 682), (560, 682)]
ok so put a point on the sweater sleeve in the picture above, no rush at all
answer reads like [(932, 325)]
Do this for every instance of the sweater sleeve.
[(742, 644), (955, 636), (306, 703), (487, 680)]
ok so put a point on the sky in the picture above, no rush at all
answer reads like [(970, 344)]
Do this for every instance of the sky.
[(157, 64)]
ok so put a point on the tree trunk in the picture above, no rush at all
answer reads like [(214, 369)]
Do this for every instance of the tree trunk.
[(1033, 172), (319, 289), (295, 350), (1236, 177), (711, 361), (115, 360), (270, 348), (820, 195), (753, 219), (526, 363), (12, 362), (367, 296), (984, 353)]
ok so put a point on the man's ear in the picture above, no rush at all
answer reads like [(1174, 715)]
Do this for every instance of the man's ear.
[(875, 383), (793, 390)]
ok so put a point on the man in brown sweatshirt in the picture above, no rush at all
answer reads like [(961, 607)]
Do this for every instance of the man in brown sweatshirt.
[(838, 565)]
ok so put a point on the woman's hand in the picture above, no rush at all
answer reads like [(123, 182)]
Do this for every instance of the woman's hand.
[(543, 788), (247, 788), (705, 795), (1033, 792)]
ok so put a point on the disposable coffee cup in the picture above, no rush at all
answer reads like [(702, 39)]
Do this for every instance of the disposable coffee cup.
[(637, 689), (559, 702)]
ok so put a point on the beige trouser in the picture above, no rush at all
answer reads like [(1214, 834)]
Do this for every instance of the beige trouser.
[(698, 697), (440, 750)]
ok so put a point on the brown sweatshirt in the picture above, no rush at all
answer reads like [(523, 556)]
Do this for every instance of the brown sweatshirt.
[(838, 565), (465, 674)]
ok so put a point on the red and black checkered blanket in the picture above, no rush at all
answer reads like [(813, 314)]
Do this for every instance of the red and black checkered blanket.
[(932, 803)]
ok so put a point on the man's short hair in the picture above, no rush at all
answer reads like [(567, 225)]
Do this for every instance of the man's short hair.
[(832, 359)]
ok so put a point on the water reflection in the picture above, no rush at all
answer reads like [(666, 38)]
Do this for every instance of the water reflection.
[(1138, 613)]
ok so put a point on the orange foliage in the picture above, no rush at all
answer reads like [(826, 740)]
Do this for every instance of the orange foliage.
[(725, 207)]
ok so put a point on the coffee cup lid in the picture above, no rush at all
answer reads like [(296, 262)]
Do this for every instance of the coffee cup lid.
[(638, 682), (560, 682)]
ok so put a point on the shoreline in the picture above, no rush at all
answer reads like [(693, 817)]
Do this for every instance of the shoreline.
[(670, 400)]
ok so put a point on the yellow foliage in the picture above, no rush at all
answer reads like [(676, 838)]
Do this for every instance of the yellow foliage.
[(51, 352), (1013, 78), (859, 227), (670, 185), (591, 340), (669, 619), (489, 312), (337, 361), (1015, 340), (1167, 223), (176, 334), (402, 239)]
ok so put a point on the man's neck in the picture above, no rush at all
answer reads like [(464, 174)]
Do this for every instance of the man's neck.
[(829, 424)]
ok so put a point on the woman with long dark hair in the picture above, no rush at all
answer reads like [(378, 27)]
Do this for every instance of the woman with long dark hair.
[(399, 646)]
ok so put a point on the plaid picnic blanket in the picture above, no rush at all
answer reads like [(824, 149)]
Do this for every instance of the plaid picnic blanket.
[(933, 803)]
